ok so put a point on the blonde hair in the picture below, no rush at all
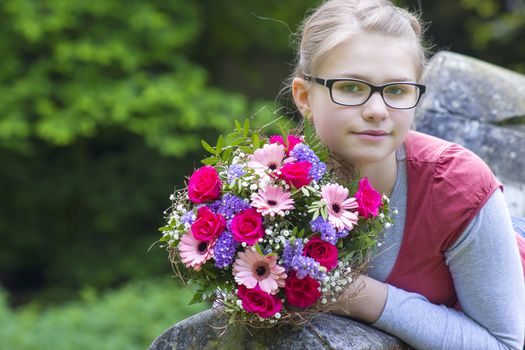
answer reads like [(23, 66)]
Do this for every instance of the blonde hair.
[(336, 20)]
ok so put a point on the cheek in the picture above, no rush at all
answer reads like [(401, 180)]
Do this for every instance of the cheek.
[(331, 128), (328, 120), (403, 120)]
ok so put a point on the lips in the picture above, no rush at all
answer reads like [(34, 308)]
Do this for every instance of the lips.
[(374, 135), (372, 132)]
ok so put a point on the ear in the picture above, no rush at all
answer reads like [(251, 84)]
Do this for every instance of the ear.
[(300, 96)]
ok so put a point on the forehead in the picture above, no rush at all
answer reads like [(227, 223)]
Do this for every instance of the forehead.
[(373, 57)]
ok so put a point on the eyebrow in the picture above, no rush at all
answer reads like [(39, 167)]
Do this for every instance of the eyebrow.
[(362, 77)]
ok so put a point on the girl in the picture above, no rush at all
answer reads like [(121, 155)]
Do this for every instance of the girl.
[(449, 274)]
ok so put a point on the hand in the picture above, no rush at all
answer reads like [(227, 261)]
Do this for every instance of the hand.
[(364, 299)]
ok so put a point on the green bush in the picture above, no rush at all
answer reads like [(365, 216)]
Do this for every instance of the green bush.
[(128, 318), (101, 114)]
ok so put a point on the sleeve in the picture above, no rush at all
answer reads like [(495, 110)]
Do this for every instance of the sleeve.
[(488, 278), (463, 183)]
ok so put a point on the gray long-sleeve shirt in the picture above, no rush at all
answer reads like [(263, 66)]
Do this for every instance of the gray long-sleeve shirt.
[(488, 278)]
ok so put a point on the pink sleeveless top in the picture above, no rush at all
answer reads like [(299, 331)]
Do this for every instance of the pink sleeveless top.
[(447, 186)]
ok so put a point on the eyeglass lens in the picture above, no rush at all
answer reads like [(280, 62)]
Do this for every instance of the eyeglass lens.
[(355, 93)]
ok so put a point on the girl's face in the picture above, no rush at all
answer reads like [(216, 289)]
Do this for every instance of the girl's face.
[(371, 132)]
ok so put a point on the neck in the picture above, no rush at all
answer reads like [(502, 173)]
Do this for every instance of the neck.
[(381, 174)]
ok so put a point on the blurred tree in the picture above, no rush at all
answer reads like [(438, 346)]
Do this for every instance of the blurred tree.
[(248, 45), (490, 30), (498, 31), (71, 67), (101, 113)]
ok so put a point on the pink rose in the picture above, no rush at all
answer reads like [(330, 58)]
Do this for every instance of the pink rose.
[(247, 226), (259, 302), (208, 225), (296, 174), (323, 252), (292, 141), (277, 139), (204, 185), (301, 292), (368, 199)]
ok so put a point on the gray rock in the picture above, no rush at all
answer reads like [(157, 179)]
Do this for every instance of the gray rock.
[(482, 107), (326, 331)]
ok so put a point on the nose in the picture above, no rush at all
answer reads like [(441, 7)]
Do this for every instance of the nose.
[(375, 108)]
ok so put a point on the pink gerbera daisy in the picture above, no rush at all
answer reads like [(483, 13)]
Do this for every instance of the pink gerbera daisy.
[(272, 200), (252, 269), (339, 205), (193, 252), (270, 157)]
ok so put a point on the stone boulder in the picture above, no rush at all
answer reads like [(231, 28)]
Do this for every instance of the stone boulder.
[(482, 107), (326, 331)]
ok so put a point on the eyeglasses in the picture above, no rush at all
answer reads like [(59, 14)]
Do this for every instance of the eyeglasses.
[(354, 92)]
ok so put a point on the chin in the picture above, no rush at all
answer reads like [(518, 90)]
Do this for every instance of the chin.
[(360, 160)]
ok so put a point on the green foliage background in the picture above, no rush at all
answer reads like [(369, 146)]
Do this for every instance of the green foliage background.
[(102, 106), (129, 318)]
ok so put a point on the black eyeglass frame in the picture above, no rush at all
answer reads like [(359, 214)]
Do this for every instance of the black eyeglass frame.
[(373, 88)]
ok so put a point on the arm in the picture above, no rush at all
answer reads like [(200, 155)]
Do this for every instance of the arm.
[(488, 278)]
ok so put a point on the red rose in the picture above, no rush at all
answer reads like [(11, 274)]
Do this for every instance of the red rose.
[(296, 174), (323, 252), (291, 140), (208, 225), (301, 292), (204, 185), (259, 302), (368, 199), (247, 226)]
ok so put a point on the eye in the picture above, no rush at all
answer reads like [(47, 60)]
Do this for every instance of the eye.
[(396, 90), (350, 87)]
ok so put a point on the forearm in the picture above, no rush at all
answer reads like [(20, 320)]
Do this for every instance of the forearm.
[(364, 300), (424, 325), (488, 279)]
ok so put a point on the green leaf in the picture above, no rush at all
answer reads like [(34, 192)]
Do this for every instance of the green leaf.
[(246, 127), (227, 153), (324, 155), (232, 318), (258, 249), (238, 126), (313, 141), (207, 147), (255, 140), (197, 298), (246, 149), (324, 213), (238, 141), (210, 161), (220, 144), (305, 192)]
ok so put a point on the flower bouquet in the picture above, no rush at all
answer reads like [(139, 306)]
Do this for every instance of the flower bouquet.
[(267, 229)]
